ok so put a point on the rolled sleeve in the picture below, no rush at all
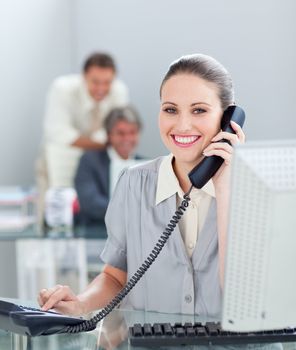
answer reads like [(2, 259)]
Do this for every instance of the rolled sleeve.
[(115, 251), (114, 255), (64, 135), (99, 136)]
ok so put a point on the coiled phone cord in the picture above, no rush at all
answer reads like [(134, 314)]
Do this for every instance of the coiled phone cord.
[(91, 324)]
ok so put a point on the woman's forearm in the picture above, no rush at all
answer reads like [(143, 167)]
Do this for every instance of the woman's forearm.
[(100, 291)]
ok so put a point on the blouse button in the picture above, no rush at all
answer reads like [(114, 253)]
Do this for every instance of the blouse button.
[(188, 298), (190, 245)]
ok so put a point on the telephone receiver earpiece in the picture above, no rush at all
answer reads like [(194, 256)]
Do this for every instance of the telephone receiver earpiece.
[(208, 167)]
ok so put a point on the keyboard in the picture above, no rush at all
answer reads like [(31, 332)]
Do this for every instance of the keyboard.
[(210, 333), (32, 321)]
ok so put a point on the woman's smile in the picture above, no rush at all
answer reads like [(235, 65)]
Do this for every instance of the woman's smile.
[(185, 140)]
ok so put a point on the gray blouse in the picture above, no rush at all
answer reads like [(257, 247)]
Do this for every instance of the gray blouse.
[(174, 283)]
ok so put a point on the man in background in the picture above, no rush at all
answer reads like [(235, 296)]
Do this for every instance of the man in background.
[(77, 104), (76, 107), (98, 170)]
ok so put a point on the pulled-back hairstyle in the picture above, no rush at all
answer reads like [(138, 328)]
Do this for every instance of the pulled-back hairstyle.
[(207, 68)]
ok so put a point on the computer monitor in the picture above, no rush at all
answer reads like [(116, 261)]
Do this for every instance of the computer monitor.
[(260, 277)]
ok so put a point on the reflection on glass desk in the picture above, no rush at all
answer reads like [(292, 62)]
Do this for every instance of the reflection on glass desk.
[(79, 231), (30, 260), (112, 333)]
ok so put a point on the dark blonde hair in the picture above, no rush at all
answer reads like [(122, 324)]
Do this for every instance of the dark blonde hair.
[(207, 68)]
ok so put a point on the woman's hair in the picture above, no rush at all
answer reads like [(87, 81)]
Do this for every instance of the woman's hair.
[(207, 68), (128, 114)]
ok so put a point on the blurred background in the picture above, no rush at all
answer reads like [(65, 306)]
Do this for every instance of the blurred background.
[(40, 40)]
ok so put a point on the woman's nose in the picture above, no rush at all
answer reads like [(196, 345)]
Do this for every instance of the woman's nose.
[(184, 123)]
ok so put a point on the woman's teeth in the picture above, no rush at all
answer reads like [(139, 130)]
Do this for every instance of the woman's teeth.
[(185, 139)]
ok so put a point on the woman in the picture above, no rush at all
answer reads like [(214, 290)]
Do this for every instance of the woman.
[(186, 276)]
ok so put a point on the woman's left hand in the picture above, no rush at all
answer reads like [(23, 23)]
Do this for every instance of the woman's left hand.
[(224, 150)]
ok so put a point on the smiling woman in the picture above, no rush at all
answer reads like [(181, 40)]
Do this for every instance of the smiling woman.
[(189, 118), (194, 94)]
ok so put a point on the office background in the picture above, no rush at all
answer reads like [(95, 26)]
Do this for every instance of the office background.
[(40, 40)]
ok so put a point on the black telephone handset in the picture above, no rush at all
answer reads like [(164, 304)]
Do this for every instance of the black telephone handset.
[(208, 167), (32, 322)]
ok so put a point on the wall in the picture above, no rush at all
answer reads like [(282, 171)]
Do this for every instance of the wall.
[(36, 45), (255, 40), (41, 39)]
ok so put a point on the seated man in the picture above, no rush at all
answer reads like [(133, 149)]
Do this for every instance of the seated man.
[(94, 179)]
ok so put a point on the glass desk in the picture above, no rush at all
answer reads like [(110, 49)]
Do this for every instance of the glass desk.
[(111, 333), (30, 259), (97, 231)]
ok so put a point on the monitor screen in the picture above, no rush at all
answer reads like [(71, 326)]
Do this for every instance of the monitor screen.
[(260, 279)]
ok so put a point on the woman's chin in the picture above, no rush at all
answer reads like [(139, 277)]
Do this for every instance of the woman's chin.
[(188, 162)]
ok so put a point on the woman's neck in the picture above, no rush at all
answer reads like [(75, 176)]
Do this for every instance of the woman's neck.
[(181, 171)]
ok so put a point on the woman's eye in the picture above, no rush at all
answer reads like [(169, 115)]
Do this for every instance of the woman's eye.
[(170, 110), (199, 110)]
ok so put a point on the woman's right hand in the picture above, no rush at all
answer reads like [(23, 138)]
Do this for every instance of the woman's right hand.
[(62, 299)]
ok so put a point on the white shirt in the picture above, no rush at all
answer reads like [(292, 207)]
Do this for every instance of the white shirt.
[(70, 110), (195, 215), (117, 164)]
